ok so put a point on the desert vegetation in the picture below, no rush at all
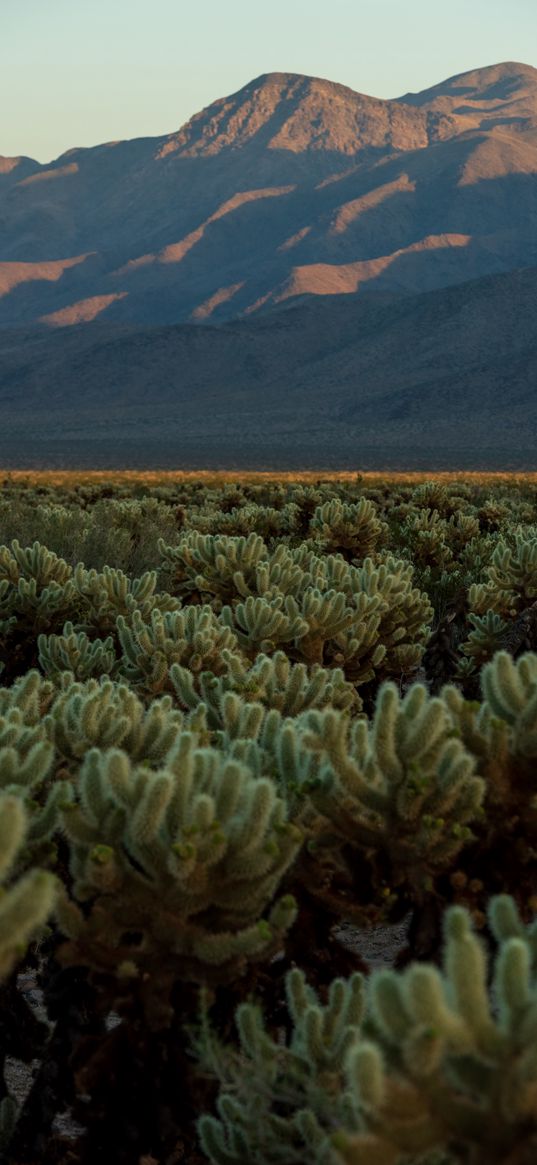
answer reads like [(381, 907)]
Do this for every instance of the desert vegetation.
[(246, 724)]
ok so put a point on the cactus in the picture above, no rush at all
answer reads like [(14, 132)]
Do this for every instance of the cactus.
[(464, 1058), (501, 734), (511, 585), (426, 536), (268, 522), (193, 637), (37, 594), (188, 858), (280, 1102), (401, 793), (272, 681), (426, 1067), (33, 564), (486, 637), (370, 619), (26, 771), (261, 625), (204, 565), (432, 495), (72, 651), (353, 530), (107, 594), (405, 614), (103, 714), (31, 695), (203, 762), (52, 614), (25, 904)]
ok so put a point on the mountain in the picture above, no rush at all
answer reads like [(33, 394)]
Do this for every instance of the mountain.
[(444, 379), (293, 187), (300, 276)]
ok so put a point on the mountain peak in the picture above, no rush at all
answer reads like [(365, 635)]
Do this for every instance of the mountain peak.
[(287, 83), (493, 83), (297, 113)]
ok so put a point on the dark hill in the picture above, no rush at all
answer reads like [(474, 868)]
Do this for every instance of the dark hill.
[(438, 380)]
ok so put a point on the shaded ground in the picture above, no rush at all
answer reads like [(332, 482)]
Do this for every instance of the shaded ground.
[(378, 945), (206, 454)]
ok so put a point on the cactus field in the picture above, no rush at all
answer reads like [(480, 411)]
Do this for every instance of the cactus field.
[(246, 722)]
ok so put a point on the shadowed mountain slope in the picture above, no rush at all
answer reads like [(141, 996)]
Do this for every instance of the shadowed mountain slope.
[(293, 186), (439, 379)]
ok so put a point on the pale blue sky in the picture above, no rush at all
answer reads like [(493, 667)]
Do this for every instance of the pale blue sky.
[(80, 72)]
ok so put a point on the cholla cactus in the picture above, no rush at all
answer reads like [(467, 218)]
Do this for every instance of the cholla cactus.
[(369, 620), (501, 732), (206, 564), (68, 719), (506, 923), (463, 531), (188, 859), (103, 714), (432, 495), (426, 536), (25, 755), (354, 530), (405, 613), (281, 573), (281, 1102), (37, 593), (72, 651), (26, 771), (512, 577), (273, 681), (435, 1070), (493, 514), (107, 594), (402, 790), (343, 631), (262, 625), (510, 690), (240, 521), (33, 564), (47, 609), (458, 1067), (388, 616), (31, 695), (193, 637), (485, 638), (316, 622), (25, 905)]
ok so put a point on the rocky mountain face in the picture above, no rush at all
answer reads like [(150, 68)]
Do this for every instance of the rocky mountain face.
[(292, 187), (300, 276)]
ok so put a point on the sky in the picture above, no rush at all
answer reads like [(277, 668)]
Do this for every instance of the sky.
[(80, 72)]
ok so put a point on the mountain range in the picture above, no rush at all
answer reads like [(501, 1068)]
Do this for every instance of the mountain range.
[(299, 274)]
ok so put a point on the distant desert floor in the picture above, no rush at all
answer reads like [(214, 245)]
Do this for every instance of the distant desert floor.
[(66, 477)]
